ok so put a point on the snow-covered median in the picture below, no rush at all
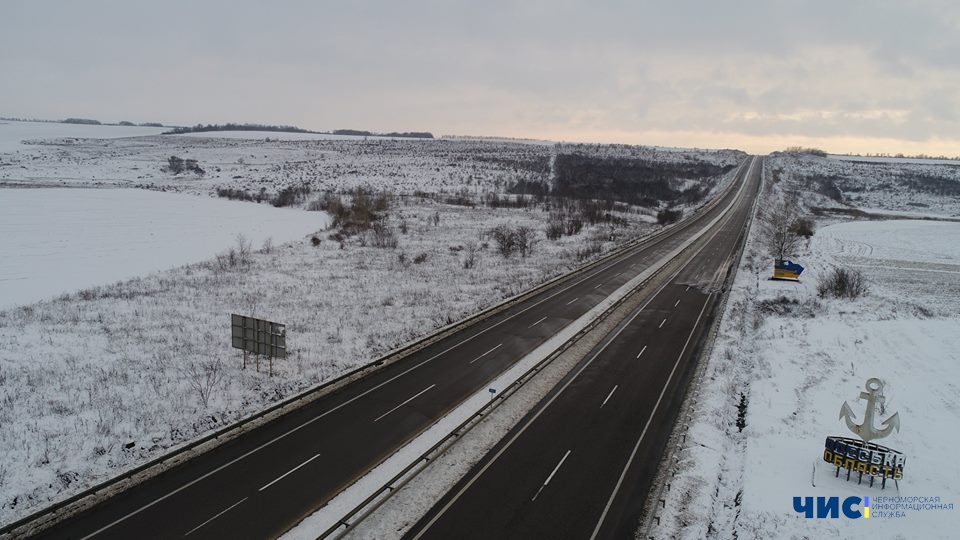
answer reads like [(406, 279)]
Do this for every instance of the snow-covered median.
[(796, 359)]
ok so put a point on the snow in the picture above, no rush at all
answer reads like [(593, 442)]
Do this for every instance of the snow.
[(85, 374), (898, 160), (281, 136), (926, 186), (796, 358), (346, 501), (895, 240), (12, 133), (103, 235)]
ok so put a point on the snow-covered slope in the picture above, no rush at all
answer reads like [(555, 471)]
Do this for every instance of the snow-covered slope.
[(795, 358)]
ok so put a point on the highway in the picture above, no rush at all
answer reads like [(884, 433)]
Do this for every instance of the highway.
[(580, 464), (266, 481)]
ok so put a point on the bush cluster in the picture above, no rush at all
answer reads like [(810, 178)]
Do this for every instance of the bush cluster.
[(842, 283), (668, 215), (177, 165), (510, 239), (242, 194)]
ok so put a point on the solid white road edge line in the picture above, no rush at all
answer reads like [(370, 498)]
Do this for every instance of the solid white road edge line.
[(418, 394), (349, 401), (517, 435), (628, 285), (643, 433), (605, 267), (288, 473)]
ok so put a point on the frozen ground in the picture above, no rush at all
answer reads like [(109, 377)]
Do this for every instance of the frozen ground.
[(796, 358), (61, 240), (928, 186), (406, 166), (145, 363), (275, 135), (12, 133), (900, 160)]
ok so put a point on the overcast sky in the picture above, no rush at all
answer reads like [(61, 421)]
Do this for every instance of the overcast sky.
[(870, 76)]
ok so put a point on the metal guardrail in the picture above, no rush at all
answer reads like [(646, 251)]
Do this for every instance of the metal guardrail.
[(373, 502), (381, 495), (51, 515), (651, 518)]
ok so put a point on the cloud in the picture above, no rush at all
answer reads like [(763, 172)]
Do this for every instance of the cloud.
[(771, 73)]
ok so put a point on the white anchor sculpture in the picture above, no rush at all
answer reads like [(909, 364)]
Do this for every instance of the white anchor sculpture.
[(874, 397)]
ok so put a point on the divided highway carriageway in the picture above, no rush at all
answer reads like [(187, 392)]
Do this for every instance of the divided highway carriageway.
[(571, 467)]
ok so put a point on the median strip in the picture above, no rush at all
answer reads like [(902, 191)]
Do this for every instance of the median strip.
[(350, 507)]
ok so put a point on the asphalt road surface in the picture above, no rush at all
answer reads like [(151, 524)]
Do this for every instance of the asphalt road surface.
[(266, 481), (580, 464)]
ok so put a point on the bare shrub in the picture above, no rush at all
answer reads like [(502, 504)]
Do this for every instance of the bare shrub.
[(382, 235), (267, 245), (174, 165), (244, 249), (470, 250), (239, 255), (802, 227), (561, 223), (420, 258), (842, 283), (204, 378), (290, 195), (506, 241), (525, 239), (177, 165)]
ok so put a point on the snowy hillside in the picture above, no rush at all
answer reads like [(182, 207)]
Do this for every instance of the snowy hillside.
[(268, 162), (928, 186), (102, 379), (794, 358), (16, 136)]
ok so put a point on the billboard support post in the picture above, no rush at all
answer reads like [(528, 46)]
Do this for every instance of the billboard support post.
[(260, 337)]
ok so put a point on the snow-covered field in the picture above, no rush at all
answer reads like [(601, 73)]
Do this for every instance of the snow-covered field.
[(796, 358), (146, 362), (900, 160), (283, 136), (252, 163), (927, 186), (61, 240), (13, 133), (85, 374)]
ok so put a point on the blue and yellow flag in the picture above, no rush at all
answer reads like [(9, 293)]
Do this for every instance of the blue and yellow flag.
[(784, 269)]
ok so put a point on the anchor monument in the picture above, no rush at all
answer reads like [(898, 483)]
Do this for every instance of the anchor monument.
[(863, 456), (874, 397)]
